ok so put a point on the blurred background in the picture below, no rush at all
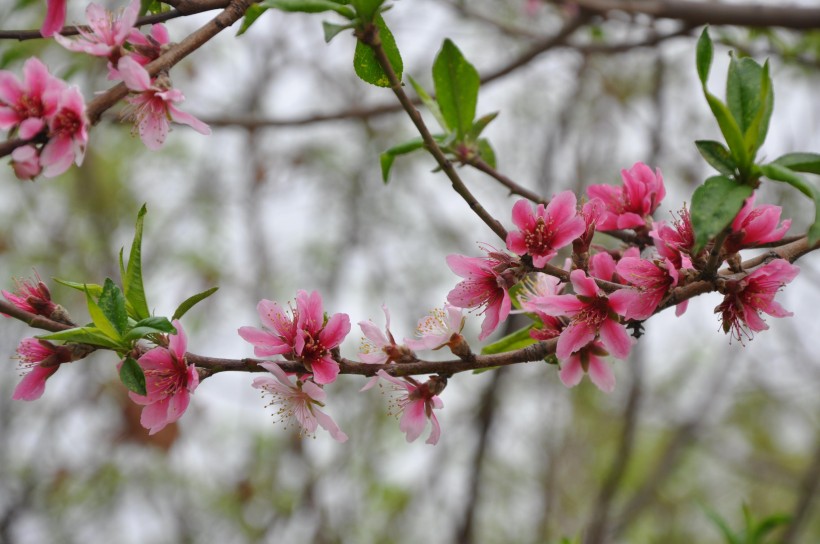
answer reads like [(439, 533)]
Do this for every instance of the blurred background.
[(287, 194)]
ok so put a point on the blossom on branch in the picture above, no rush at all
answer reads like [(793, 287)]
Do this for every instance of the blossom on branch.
[(753, 226), (379, 348), (67, 134), (108, 32), (146, 48), (304, 336), (25, 161), (169, 382), (630, 205), (26, 106), (653, 280), (441, 328), (154, 104), (588, 361), (416, 404), (39, 360), (676, 242), (31, 296), (745, 299), (299, 401), (543, 233)]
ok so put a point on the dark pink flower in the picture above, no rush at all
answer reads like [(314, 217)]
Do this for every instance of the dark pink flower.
[(592, 314), (676, 242), (67, 134), (487, 281), (169, 382), (303, 336), (416, 405), (300, 401), (55, 18), (31, 296), (108, 32), (39, 360), (26, 106), (543, 233), (753, 226), (630, 205), (653, 280), (154, 104), (745, 299), (588, 361)]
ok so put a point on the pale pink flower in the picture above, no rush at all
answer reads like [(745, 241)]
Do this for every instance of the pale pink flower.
[(55, 17), (653, 280), (630, 205), (148, 47), (26, 106), (169, 382), (300, 402), (67, 134), (588, 361), (379, 348), (487, 281), (441, 327), (25, 160), (154, 104), (416, 404), (543, 233), (753, 226), (533, 288), (592, 314), (31, 296), (39, 360), (303, 336), (745, 299), (108, 33)]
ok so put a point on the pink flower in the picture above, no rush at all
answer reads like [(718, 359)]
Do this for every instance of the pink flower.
[(441, 328), (169, 382), (486, 283), (653, 280), (416, 405), (55, 18), (108, 34), (754, 226), (148, 47), (67, 134), (590, 212), (154, 105), (299, 402), (25, 160), (379, 348), (543, 233), (745, 299), (39, 360), (543, 285), (592, 314), (675, 243), (31, 296), (304, 336), (628, 206), (26, 106), (588, 361)]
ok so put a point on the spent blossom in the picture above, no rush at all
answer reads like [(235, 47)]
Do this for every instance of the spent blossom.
[(542, 233), (377, 347), (745, 299), (169, 382), (753, 226), (39, 360), (630, 205), (31, 296), (588, 361), (299, 401), (416, 403), (303, 336), (153, 105)]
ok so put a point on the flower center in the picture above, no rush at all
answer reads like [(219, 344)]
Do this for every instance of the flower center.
[(66, 123), (539, 239)]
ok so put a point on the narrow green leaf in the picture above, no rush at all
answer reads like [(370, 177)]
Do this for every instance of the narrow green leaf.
[(716, 154), (310, 6), (132, 376), (112, 304), (367, 9), (132, 280), (516, 340), (759, 128), (743, 91), (800, 162), (431, 104), (714, 205), (251, 15), (769, 524), (143, 331), (456, 82), (730, 130), (480, 124), (778, 172), (100, 320), (485, 150), (704, 53), (386, 159), (95, 290), (364, 59), (84, 335), (192, 301), (332, 30)]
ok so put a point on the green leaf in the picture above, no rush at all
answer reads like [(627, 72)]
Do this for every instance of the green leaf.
[(769, 524), (714, 205), (132, 376), (480, 124), (112, 304), (729, 129), (367, 9), (386, 159), (716, 154), (309, 6), (778, 172), (750, 99), (364, 59), (84, 335), (756, 134), (800, 162), (192, 301), (728, 535), (332, 30), (486, 152), (152, 325), (251, 15), (95, 290), (703, 58), (431, 104), (516, 340), (132, 280), (456, 82), (100, 320)]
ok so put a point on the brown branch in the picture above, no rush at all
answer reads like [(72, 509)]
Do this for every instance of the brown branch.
[(713, 13)]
